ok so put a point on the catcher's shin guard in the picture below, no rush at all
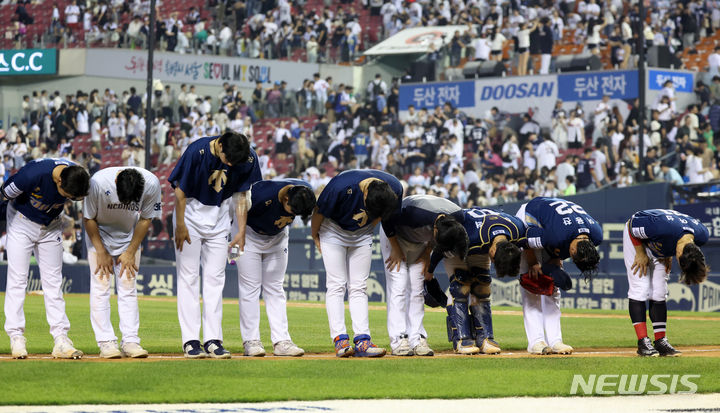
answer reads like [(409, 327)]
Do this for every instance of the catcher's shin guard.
[(451, 329), (482, 319), (460, 316)]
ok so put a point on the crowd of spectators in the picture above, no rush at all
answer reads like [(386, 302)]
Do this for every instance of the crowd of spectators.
[(483, 161), (332, 31)]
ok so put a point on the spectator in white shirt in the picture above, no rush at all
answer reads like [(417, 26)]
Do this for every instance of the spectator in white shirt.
[(714, 60), (576, 131), (72, 17), (547, 153), (600, 164)]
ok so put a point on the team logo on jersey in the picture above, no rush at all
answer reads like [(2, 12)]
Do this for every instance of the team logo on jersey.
[(202, 151), (268, 202), (283, 221), (250, 159), (349, 191), (107, 193), (361, 217), (217, 179)]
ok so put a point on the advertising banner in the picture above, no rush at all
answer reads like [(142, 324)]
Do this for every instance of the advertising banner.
[(28, 62), (196, 69), (683, 81)]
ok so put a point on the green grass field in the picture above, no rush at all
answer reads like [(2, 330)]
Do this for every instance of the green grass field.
[(245, 379)]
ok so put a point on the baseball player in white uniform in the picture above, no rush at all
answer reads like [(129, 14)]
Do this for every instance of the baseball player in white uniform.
[(273, 206), (207, 175), (37, 194), (118, 211)]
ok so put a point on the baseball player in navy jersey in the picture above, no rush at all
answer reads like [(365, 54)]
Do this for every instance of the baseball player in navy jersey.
[(273, 206), (650, 240), (415, 227), (348, 209), (556, 230), (37, 194), (118, 211), (207, 175), (493, 237)]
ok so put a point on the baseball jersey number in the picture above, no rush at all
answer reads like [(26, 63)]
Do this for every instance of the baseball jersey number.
[(479, 213), (563, 208)]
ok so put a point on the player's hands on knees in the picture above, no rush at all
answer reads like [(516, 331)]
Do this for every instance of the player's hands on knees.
[(316, 239), (640, 264), (127, 265), (181, 235), (535, 271), (104, 265), (395, 260)]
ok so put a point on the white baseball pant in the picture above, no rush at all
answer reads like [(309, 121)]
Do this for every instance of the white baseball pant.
[(100, 291), (211, 253), (266, 270), (405, 299), (541, 313), (651, 286), (346, 268), (23, 238)]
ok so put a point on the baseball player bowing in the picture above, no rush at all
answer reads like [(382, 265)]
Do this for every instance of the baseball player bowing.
[(273, 206), (556, 230), (37, 194), (650, 240), (493, 237), (417, 234), (207, 175), (118, 211), (348, 209)]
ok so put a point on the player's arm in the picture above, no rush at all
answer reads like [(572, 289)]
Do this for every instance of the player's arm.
[(640, 263), (317, 219), (241, 214), (535, 242), (104, 260), (181, 231)]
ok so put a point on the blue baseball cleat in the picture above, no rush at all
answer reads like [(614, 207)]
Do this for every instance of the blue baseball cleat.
[(364, 347), (342, 346)]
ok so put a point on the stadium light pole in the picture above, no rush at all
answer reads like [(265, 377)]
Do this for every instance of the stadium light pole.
[(149, 86), (641, 92)]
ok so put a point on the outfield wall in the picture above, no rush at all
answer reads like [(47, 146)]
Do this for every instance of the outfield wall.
[(305, 278)]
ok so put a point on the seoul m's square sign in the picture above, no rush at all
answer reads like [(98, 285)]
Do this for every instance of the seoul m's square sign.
[(28, 62)]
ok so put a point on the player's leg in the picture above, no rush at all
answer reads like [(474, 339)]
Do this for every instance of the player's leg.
[(335, 260), (458, 309), (250, 271), (416, 311), (188, 295), (129, 312), (396, 283), (273, 276), (532, 312), (214, 259), (551, 322), (48, 252), (358, 270), (638, 291), (480, 308), (20, 242), (100, 310), (658, 310)]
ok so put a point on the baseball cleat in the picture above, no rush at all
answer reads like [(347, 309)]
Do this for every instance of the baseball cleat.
[(109, 349), (466, 346), (487, 347), (287, 348), (215, 349), (17, 347), (403, 348), (254, 348), (134, 351), (64, 349), (665, 349), (645, 348), (364, 347), (193, 350), (561, 348), (540, 348), (422, 348), (342, 346)]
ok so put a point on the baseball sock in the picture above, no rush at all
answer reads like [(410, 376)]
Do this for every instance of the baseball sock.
[(658, 316), (638, 317)]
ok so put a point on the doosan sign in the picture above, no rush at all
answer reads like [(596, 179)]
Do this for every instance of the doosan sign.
[(28, 62)]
